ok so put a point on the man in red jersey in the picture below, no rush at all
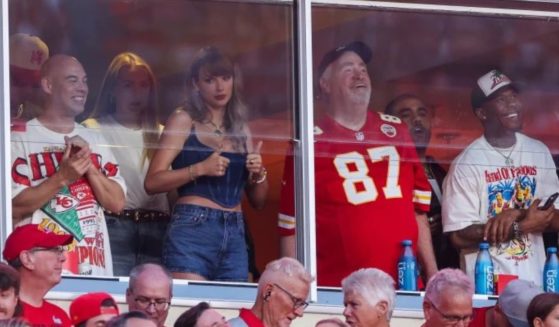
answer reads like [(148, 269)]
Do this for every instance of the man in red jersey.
[(38, 256), (371, 190)]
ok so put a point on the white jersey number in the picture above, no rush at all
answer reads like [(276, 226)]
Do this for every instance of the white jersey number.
[(358, 185)]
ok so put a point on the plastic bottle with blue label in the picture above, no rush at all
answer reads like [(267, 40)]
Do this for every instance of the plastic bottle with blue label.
[(551, 271), (484, 271), (407, 268)]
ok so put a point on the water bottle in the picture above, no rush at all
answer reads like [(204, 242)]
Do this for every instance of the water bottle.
[(484, 270), (407, 268), (550, 271)]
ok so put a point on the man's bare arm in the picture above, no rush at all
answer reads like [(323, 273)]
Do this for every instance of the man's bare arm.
[(33, 198), (108, 193), (425, 245), (469, 237)]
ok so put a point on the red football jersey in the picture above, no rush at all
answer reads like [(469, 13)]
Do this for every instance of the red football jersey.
[(368, 185)]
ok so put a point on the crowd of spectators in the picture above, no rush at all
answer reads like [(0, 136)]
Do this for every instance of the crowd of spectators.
[(123, 194)]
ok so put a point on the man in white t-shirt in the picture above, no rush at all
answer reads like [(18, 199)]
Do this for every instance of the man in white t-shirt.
[(63, 175), (495, 185)]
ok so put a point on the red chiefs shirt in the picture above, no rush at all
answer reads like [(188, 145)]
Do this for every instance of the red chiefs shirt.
[(47, 315), (368, 185)]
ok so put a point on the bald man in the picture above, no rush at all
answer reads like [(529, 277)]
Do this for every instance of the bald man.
[(62, 175), (150, 290)]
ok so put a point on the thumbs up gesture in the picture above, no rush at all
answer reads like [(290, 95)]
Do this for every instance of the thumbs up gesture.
[(215, 164), (254, 160)]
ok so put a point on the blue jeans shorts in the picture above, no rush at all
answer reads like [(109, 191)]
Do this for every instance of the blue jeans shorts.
[(208, 242)]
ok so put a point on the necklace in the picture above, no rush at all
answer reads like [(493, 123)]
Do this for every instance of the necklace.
[(508, 160), (218, 129)]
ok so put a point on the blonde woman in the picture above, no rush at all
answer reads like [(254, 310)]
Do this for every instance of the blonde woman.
[(214, 159), (126, 113)]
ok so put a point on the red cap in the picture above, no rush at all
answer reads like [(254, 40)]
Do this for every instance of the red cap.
[(88, 306), (31, 236)]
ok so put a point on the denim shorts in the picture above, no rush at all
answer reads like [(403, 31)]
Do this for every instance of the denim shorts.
[(134, 243), (208, 242)]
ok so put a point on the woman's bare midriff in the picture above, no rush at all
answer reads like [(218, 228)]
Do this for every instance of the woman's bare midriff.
[(204, 202)]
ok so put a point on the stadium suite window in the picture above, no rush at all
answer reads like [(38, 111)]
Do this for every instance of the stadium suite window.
[(256, 36), (420, 51)]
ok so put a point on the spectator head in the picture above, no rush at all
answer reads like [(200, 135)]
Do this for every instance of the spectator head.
[(201, 315), (496, 103), (129, 85), (282, 292), (132, 319), (213, 82), (64, 82), (369, 297), (416, 114), (332, 322), (92, 309), (130, 89), (27, 55), (543, 310), (37, 253), (150, 291), (448, 299), (342, 75), (514, 301), (9, 292)]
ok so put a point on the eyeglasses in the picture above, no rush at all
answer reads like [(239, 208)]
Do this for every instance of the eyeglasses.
[(58, 250), (451, 319), (159, 304), (298, 303)]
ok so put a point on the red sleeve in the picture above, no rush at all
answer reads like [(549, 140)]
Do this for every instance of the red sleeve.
[(421, 186)]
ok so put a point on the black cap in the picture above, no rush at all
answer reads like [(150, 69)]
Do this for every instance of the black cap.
[(358, 47)]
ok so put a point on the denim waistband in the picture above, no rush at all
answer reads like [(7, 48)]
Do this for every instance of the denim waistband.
[(210, 213)]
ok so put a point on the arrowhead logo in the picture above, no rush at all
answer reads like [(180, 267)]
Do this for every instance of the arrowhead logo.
[(63, 202)]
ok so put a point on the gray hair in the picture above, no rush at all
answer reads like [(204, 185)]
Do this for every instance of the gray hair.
[(445, 279), (374, 285), (139, 269), (285, 267)]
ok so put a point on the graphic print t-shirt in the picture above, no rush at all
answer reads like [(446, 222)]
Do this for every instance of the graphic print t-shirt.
[(481, 185), (36, 154), (368, 185)]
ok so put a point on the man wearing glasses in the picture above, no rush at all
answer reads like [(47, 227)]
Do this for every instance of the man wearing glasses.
[(282, 290), (448, 299), (150, 290), (38, 256)]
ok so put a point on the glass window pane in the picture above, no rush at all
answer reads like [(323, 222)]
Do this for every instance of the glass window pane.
[(137, 56), (362, 169)]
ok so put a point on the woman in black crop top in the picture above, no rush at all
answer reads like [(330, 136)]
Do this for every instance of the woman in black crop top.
[(214, 159)]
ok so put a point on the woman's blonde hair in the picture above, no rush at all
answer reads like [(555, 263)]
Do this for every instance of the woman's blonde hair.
[(215, 63), (105, 104)]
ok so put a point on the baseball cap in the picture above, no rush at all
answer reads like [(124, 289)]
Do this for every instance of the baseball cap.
[(515, 299), (488, 85), (360, 48), (31, 236), (27, 51), (88, 306), (27, 55)]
